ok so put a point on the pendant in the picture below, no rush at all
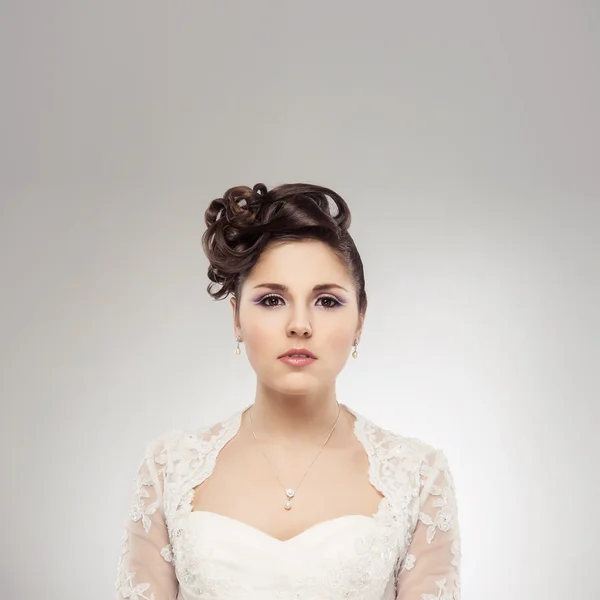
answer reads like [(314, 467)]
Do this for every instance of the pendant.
[(290, 494)]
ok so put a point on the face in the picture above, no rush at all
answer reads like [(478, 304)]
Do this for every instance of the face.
[(280, 309)]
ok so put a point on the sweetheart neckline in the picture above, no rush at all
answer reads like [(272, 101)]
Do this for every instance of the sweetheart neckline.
[(327, 522)]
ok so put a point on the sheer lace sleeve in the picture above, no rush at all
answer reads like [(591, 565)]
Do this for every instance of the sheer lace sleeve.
[(431, 568), (145, 570)]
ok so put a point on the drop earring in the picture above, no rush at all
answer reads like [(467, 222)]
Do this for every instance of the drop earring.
[(355, 353), (237, 348)]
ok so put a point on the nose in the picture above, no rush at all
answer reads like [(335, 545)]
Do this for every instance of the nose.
[(299, 325), (302, 332)]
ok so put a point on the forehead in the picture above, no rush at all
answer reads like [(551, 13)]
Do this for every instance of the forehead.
[(300, 262)]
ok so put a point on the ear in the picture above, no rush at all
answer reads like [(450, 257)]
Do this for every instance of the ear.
[(236, 321), (361, 322)]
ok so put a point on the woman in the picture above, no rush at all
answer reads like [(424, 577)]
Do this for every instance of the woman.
[(296, 495)]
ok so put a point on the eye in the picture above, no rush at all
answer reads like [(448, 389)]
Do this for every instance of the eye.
[(272, 300), (331, 302), (263, 301)]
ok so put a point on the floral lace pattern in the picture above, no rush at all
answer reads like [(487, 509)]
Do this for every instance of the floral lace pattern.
[(138, 576), (409, 550), (438, 513)]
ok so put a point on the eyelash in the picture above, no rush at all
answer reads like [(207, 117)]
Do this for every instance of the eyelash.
[(262, 300)]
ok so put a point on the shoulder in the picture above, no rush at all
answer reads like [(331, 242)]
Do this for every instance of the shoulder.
[(413, 453), (405, 467), (183, 444)]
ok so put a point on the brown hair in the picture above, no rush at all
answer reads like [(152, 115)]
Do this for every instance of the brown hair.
[(245, 220)]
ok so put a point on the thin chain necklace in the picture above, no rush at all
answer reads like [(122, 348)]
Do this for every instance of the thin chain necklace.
[(291, 492)]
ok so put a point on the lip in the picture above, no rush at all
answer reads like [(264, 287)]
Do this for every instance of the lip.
[(298, 351), (297, 361)]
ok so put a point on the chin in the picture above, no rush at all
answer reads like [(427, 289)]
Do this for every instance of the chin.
[(299, 387)]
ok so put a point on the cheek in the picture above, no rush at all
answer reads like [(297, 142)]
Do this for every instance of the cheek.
[(259, 340), (339, 341)]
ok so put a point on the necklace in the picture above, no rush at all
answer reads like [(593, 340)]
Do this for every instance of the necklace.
[(291, 492)]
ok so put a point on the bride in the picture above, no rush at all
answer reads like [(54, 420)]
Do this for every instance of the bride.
[(296, 495)]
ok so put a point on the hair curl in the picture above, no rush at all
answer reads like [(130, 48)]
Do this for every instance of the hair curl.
[(242, 223)]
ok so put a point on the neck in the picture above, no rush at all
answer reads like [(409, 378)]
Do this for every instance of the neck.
[(299, 419)]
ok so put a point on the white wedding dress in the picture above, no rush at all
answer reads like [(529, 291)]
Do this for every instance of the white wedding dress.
[(408, 550)]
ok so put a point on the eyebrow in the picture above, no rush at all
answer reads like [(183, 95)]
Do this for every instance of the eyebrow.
[(284, 288)]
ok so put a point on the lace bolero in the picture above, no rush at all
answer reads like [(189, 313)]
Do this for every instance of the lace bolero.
[(408, 550)]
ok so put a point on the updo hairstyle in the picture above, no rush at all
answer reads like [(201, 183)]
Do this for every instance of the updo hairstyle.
[(242, 223)]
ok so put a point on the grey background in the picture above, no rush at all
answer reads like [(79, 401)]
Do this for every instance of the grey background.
[(464, 136)]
